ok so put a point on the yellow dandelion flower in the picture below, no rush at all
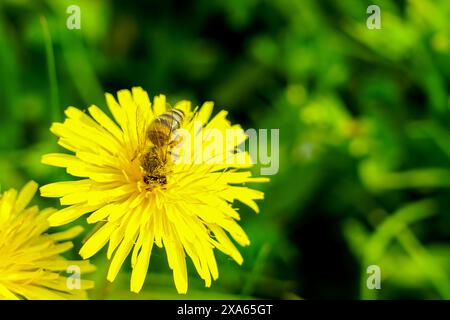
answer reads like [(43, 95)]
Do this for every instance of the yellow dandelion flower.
[(31, 266), (140, 195)]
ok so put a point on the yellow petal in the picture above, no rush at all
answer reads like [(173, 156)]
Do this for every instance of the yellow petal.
[(25, 195), (61, 160), (129, 107), (115, 109), (105, 122), (97, 241), (70, 214), (225, 245), (141, 98), (103, 213), (74, 198), (60, 189), (68, 234), (119, 257), (205, 112), (140, 269), (110, 195), (159, 105), (177, 260), (7, 294)]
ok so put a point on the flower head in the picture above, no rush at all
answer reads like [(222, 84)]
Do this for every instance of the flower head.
[(30, 260), (146, 185)]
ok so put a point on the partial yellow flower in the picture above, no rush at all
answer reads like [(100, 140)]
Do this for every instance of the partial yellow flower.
[(188, 211), (31, 266)]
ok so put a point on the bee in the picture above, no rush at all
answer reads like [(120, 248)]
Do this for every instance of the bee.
[(161, 133)]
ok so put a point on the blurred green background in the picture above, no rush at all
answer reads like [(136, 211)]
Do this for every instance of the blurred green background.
[(363, 115)]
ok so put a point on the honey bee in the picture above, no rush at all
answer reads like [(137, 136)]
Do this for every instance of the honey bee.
[(156, 160)]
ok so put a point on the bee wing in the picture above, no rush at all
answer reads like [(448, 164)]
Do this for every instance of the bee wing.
[(171, 120)]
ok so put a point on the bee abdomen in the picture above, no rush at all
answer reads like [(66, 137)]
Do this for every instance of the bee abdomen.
[(163, 126)]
